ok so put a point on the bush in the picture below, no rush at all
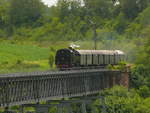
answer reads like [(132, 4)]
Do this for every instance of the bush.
[(19, 62), (140, 76), (144, 91), (120, 100), (51, 60)]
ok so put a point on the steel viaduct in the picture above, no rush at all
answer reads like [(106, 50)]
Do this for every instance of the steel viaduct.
[(24, 89)]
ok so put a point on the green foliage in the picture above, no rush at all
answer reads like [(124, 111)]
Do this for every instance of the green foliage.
[(129, 8), (140, 76), (71, 19), (22, 33), (120, 100), (144, 91), (144, 51), (143, 17), (53, 110), (24, 11), (3, 13), (120, 23), (121, 66), (101, 8), (118, 91), (51, 60), (133, 30)]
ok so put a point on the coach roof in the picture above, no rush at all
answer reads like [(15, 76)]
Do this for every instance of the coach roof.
[(104, 52)]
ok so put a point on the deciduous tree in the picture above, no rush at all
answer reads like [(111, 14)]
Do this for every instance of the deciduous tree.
[(25, 11)]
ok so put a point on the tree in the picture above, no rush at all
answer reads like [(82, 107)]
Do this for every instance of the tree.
[(25, 11), (145, 48), (142, 4), (3, 13), (100, 8), (139, 77), (67, 8), (131, 8), (120, 23), (145, 51), (62, 9), (119, 100), (144, 17)]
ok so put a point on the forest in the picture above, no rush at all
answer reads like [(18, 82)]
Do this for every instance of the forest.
[(31, 32)]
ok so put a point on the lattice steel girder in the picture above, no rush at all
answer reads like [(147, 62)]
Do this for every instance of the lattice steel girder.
[(23, 88)]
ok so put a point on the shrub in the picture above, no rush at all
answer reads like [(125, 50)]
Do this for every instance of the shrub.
[(140, 76), (144, 91), (51, 60), (19, 61), (119, 100)]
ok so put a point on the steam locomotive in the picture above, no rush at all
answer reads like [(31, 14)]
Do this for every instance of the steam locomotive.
[(71, 58)]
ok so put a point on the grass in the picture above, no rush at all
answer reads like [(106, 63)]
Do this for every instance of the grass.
[(11, 52), (25, 66), (17, 56), (20, 57)]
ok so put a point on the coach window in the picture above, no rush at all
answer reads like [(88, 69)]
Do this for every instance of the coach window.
[(98, 59), (93, 59), (103, 59)]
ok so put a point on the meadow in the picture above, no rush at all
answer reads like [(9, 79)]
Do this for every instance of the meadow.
[(25, 56), (16, 57)]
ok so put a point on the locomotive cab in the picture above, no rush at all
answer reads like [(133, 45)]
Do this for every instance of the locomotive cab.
[(63, 58)]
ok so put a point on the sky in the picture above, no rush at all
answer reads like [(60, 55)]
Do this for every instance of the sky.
[(50, 2), (53, 2)]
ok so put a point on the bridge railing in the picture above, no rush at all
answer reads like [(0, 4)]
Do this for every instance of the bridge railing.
[(17, 89)]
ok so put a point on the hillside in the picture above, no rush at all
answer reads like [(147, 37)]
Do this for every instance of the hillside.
[(22, 57)]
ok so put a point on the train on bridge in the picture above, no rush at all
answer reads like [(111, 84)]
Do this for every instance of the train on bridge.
[(71, 58), (34, 87)]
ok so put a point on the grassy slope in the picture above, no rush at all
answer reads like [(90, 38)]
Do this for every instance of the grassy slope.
[(18, 57), (27, 56), (11, 52)]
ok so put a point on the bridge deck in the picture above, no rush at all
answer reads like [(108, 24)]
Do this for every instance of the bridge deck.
[(24, 88)]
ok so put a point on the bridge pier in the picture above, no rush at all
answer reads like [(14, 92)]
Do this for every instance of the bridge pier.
[(6, 110), (63, 106), (59, 109), (83, 105), (21, 109)]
